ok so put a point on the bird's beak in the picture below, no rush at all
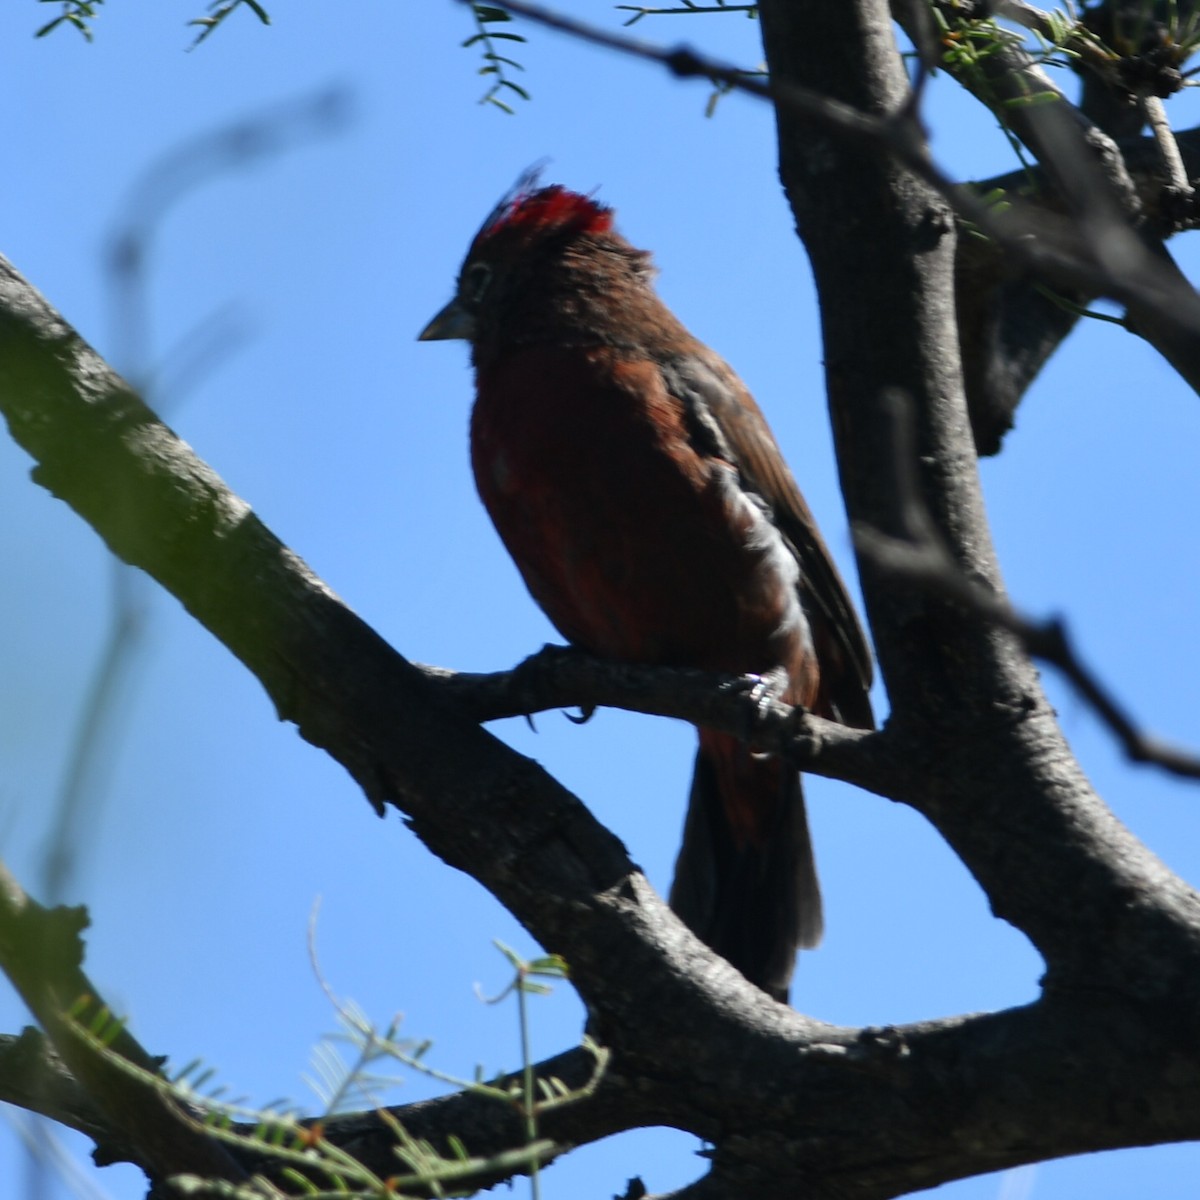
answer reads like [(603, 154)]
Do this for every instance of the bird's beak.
[(452, 322)]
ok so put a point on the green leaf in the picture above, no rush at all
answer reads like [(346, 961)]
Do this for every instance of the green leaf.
[(553, 965), (73, 18), (210, 22), (508, 62), (514, 959)]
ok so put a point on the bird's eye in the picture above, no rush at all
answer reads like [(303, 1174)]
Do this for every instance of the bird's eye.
[(474, 283)]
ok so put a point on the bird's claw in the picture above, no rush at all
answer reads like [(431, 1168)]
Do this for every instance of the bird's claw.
[(586, 712), (770, 685), (761, 690)]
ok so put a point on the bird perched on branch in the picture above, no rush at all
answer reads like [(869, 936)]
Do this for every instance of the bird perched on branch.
[(639, 490)]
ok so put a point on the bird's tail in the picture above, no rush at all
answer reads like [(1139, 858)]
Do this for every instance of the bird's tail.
[(745, 881)]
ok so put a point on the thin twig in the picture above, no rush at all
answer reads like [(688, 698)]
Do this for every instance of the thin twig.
[(688, 9), (1155, 113), (1083, 42), (920, 557), (79, 805), (1025, 15)]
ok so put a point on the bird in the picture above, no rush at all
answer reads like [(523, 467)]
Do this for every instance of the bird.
[(640, 492)]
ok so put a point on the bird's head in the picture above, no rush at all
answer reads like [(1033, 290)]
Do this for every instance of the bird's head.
[(525, 264)]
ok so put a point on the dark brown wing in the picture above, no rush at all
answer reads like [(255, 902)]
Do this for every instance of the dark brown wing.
[(725, 417)]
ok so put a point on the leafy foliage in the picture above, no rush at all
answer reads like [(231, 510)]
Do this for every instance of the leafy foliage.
[(76, 13), (496, 66), (220, 9), (305, 1159)]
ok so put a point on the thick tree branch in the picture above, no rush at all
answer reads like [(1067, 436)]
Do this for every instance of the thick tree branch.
[(963, 690), (41, 953), (34, 1077), (162, 509), (935, 1087)]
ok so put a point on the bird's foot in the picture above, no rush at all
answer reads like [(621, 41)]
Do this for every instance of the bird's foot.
[(762, 691), (551, 658), (770, 685)]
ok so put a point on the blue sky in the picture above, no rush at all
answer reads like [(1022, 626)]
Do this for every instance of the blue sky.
[(213, 828)]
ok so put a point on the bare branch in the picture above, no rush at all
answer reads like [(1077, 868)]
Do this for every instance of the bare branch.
[(1168, 148), (744, 706), (34, 1077), (685, 10), (919, 557)]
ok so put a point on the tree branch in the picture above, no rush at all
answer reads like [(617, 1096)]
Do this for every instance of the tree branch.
[(562, 677), (919, 557), (931, 1088), (34, 1077), (961, 690), (41, 952)]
